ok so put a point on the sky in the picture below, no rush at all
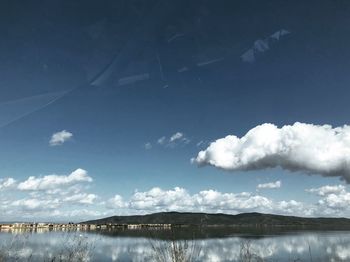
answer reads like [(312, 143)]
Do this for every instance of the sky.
[(134, 107)]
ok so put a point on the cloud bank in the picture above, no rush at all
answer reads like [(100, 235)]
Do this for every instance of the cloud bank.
[(71, 199), (312, 149), (59, 138), (42, 197), (179, 199)]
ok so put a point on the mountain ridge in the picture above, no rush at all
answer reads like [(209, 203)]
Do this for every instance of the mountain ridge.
[(221, 219)]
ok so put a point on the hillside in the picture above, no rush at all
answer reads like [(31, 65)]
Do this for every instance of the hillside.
[(203, 219)]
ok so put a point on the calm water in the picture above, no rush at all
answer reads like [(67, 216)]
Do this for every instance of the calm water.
[(131, 246)]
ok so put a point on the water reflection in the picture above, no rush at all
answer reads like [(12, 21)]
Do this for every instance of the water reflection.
[(306, 246)]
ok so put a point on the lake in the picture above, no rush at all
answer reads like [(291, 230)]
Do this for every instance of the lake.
[(203, 245)]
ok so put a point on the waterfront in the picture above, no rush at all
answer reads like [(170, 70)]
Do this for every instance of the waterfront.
[(74, 226), (136, 245)]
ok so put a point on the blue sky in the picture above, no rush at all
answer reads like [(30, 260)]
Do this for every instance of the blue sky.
[(191, 78)]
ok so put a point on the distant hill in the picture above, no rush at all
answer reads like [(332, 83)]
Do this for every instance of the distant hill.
[(203, 219)]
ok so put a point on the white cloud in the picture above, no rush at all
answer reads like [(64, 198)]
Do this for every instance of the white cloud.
[(53, 181), (7, 183), (313, 149), (231, 202), (60, 137), (158, 199), (326, 190), (148, 146), (294, 207), (280, 33), (174, 140), (116, 202), (68, 200), (38, 199), (335, 197), (270, 185), (36, 204), (82, 198), (337, 201), (48, 196), (176, 136), (262, 45), (161, 140), (212, 201), (248, 56)]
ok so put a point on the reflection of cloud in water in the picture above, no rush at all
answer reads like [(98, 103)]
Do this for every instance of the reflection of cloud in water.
[(343, 252), (323, 246), (281, 248)]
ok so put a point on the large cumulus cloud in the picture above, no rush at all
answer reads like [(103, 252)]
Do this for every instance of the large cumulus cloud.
[(313, 149)]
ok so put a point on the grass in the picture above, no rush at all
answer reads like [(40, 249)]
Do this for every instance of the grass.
[(248, 254), (174, 250), (11, 249), (74, 248)]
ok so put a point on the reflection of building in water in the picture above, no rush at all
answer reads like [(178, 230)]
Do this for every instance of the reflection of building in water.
[(44, 227)]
